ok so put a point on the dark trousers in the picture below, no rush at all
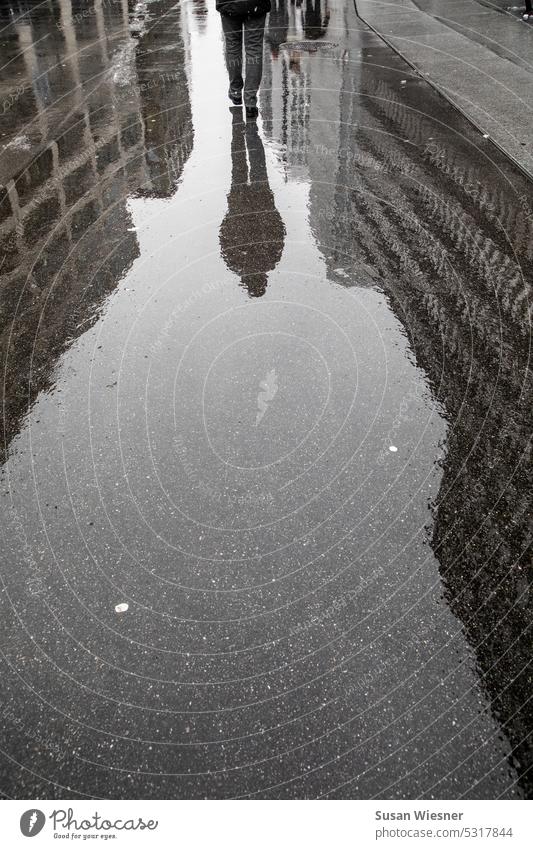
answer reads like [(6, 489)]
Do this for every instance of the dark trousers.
[(236, 29)]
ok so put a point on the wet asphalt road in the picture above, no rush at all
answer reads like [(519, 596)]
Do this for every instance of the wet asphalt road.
[(266, 385)]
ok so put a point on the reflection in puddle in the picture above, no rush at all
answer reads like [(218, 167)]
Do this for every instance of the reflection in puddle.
[(214, 336), (252, 232)]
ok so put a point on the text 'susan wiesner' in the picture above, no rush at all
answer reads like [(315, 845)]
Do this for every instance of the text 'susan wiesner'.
[(419, 815)]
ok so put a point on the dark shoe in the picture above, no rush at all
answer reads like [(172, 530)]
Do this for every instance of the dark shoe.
[(235, 97), (251, 113)]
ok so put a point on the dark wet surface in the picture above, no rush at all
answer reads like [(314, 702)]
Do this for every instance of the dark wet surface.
[(268, 387)]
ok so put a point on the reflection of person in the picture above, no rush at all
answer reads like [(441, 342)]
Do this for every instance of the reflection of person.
[(244, 18), (252, 233), (316, 20), (199, 10), (278, 26)]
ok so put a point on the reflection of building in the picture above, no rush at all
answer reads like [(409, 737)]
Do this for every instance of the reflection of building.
[(423, 213), (284, 93), (83, 133), (277, 27), (315, 18)]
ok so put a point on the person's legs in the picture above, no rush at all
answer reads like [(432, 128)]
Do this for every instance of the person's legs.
[(254, 29), (232, 28)]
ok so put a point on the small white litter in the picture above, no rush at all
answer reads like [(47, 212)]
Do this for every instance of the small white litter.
[(391, 448), (121, 608)]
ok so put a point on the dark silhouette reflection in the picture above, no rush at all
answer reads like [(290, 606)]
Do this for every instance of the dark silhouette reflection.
[(252, 233), (200, 11), (449, 240), (120, 125)]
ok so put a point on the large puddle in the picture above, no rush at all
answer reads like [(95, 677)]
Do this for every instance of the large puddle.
[(266, 385)]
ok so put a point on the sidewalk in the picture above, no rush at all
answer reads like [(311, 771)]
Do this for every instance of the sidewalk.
[(479, 54)]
